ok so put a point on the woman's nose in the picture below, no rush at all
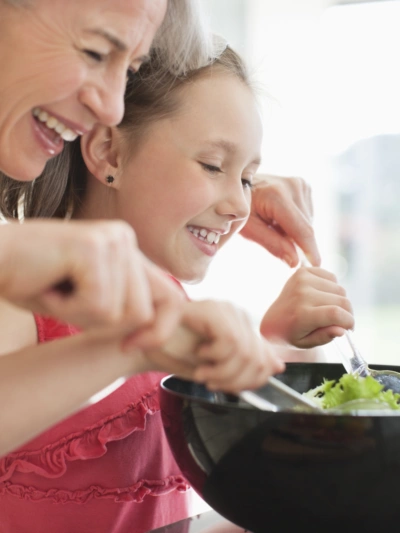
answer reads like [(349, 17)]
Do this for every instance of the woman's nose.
[(106, 99), (235, 202)]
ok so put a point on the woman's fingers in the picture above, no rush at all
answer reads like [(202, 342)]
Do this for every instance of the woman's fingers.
[(90, 274), (168, 301), (248, 370)]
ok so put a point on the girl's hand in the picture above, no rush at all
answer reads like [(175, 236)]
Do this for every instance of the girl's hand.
[(281, 217), (311, 310), (230, 355)]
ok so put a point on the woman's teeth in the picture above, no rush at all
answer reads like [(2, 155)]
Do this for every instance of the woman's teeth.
[(53, 124), (204, 235)]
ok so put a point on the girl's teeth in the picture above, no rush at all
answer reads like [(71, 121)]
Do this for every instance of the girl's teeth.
[(211, 237)]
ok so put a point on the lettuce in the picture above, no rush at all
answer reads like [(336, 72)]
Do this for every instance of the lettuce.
[(334, 393)]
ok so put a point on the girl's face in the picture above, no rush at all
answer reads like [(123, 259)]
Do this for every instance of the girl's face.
[(63, 67), (187, 187)]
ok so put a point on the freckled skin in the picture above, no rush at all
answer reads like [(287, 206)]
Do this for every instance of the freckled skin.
[(43, 64)]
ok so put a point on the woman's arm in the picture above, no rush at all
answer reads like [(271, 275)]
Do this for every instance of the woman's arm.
[(88, 274), (40, 385)]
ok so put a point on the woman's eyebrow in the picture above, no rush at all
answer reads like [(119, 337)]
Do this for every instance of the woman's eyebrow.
[(120, 45)]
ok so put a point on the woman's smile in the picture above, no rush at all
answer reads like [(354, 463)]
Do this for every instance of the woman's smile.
[(50, 132)]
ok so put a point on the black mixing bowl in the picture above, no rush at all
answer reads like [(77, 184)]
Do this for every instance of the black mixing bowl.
[(279, 471)]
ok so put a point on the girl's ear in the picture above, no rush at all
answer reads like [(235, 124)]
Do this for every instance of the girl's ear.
[(100, 151)]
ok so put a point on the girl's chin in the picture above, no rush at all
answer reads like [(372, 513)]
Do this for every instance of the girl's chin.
[(190, 278)]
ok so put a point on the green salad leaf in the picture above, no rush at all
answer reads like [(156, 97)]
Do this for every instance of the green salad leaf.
[(334, 393)]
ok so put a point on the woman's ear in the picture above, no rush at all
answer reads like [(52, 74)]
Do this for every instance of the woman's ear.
[(100, 151)]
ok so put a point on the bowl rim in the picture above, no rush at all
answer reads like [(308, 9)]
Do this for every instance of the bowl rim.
[(361, 413)]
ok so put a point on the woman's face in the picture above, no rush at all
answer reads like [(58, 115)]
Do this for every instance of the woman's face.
[(63, 68), (187, 187)]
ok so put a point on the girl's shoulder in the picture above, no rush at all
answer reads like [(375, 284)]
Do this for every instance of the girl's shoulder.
[(17, 326), (87, 433)]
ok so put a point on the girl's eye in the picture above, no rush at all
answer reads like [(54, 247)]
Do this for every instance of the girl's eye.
[(211, 168), (94, 55), (247, 184)]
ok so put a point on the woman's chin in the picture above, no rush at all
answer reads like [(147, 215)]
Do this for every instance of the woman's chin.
[(23, 169)]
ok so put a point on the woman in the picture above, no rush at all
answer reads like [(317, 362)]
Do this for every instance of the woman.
[(64, 67), (70, 60)]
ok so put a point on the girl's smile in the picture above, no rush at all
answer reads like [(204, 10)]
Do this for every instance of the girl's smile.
[(206, 240), (184, 182)]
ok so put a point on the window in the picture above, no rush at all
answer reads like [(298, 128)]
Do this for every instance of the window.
[(332, 116)]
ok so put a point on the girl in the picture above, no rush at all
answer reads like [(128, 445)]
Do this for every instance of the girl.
[(179, 169)]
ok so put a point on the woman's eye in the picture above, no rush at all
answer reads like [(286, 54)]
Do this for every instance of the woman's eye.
[(210, 168), (94, 55), (130, 74)]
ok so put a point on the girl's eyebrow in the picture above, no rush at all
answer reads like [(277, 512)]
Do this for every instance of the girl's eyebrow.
[(228, 147)]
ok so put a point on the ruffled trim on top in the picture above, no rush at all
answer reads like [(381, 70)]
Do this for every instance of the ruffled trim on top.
[(91, 443), (134, 493)]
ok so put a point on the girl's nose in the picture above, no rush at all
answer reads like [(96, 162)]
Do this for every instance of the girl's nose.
[(235, 201)]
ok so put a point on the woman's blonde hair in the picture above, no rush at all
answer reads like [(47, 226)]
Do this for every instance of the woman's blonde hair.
[(151, 95)]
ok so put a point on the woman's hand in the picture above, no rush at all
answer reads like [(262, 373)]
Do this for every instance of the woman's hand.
[(281, 213), (89, 274), (311, 310), (226, 352)]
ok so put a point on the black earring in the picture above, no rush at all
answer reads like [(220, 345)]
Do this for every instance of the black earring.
[(109, 179)]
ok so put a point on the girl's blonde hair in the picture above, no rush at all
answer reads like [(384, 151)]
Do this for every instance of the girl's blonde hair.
[(151, 95)]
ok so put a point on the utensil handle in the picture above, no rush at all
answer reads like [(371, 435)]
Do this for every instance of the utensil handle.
[(353, 362)]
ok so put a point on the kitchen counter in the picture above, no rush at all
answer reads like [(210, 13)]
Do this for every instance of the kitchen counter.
[(207, 522)]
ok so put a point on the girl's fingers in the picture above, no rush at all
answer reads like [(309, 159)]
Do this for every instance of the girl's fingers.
[(322, 336)]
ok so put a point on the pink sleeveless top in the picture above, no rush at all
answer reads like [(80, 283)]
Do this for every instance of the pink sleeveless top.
[(105, 469)]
